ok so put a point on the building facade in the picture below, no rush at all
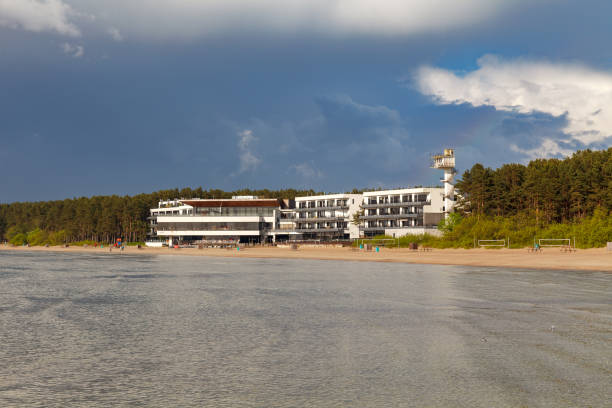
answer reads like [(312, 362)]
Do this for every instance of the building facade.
[(327, 217), (331, 217), (241, 219), (401, 212)]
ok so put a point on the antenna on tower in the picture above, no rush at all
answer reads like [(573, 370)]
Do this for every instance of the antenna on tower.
[(446, 162)]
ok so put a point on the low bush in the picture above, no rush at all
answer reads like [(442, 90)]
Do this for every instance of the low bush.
[(463, 232)]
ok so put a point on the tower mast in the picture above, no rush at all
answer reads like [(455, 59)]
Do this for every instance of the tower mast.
[(446, 162)]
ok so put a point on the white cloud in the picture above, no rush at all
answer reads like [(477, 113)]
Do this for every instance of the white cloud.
[(38, 16), (246, 138), (248, 161), (75, 51), (115, 34), (582, 95), (307, 170), (188, 18), (547, 148)]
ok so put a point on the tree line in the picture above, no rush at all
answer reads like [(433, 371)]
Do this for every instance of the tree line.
[(102, 218), (545, 192), (548, 190)]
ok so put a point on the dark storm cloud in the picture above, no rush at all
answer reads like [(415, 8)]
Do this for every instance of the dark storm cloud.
[(137, 112)]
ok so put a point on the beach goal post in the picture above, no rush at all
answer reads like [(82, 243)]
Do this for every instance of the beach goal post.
[(495, 243), (555, 242), (384, 242)]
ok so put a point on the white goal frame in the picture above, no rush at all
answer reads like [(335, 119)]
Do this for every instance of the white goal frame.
[(566, 242), (501, 243), (379, 242)]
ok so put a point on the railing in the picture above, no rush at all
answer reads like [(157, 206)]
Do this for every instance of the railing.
[(389, 216), (287, 229), (335, 207), (398, 227), (216, 214), (319, 229), (400, 204), (442, 162), (300, 230), (318, 219)]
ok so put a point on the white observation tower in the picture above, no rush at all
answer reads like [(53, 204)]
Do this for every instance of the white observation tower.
[(446, 162)]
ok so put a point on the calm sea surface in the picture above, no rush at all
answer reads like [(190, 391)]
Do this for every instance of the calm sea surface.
[(118, 330)]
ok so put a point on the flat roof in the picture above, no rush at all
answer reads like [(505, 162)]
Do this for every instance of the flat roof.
[(413, 190), (327, 197), (260, 202)]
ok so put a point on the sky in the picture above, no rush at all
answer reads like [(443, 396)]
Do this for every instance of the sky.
[(133, 96)]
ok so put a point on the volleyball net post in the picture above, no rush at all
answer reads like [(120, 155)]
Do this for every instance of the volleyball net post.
[(494, 243), (557, 242)]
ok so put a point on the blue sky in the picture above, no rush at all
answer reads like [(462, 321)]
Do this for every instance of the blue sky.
[(123, 97)]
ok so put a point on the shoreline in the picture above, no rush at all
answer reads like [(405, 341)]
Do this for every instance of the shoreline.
[(596, 259)]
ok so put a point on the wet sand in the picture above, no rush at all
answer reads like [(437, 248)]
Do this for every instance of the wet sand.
[(598, 259)]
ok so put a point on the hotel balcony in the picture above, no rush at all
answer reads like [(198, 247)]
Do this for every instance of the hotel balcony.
[(320, 229), (321, 219), (225, 212), (389, 216), (378, 228), (333, 207), (398, 204)]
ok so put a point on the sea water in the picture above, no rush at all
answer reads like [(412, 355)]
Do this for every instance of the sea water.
[(162, 331)]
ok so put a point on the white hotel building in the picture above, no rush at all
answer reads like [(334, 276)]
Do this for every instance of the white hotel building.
[(241, 219), (316, 218), (327, 217), (401, 212)]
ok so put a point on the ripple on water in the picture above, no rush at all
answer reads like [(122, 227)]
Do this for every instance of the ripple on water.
[(104, 330)]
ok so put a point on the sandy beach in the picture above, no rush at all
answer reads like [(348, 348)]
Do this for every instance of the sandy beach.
[(583, 259)]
